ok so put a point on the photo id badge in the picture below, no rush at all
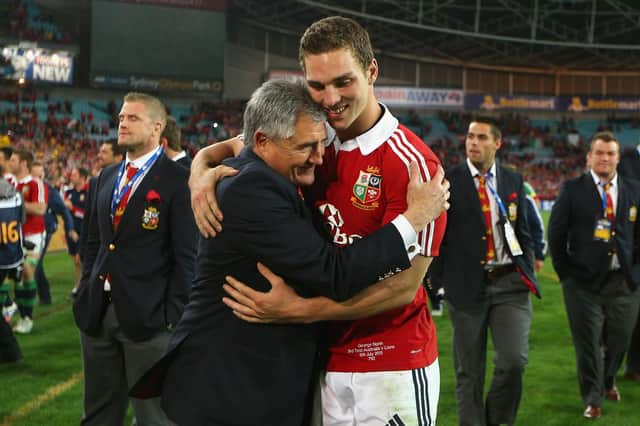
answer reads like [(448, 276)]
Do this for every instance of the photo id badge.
[(512, 240), (602, 231)]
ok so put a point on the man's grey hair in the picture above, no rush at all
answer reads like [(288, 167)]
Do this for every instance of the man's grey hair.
[(274, 109)]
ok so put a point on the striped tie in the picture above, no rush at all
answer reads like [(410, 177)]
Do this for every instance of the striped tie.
[(486, 212)]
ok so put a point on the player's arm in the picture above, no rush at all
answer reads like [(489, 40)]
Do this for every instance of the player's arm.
[(35, 208), (202, 183), (282, 305)]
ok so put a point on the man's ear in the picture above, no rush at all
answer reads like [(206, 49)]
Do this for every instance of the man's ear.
[(373, 71)]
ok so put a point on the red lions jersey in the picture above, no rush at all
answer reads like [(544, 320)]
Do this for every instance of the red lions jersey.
[(367, 191), (33, 191)]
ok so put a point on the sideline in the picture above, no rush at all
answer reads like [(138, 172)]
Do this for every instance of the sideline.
[(51, 393)]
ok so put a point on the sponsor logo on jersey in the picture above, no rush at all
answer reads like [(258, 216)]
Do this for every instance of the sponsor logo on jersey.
[(367, 189)]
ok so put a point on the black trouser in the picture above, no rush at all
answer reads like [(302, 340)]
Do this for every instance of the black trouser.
[(44, 294), (9, 349)]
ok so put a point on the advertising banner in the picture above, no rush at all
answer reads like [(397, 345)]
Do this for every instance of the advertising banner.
[(157, 84), (278, 74), (218, 5), (413, 97), (36, 64), (598, 103), (505, 102)]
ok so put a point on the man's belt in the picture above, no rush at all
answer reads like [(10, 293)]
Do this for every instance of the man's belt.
[(493, 273)]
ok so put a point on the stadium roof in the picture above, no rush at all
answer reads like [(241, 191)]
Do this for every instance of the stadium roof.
[(557, 35)]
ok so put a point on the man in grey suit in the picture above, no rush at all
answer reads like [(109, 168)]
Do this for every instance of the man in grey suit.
[(630, 168), (593, 238), (137, 269), (486, 268)]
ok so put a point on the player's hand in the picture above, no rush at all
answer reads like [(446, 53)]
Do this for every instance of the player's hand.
[(281, 304), (426, 200), (74, 236), (202, 183)]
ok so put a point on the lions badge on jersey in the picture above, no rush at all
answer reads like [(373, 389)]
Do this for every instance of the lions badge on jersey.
[(151, 218), (367, 189), (633, 214)]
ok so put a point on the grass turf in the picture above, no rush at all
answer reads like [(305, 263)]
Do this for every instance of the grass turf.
[(45, 389)]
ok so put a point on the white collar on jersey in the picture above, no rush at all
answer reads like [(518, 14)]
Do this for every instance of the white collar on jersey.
[(370, 140)]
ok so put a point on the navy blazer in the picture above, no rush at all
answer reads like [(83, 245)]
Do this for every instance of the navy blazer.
[(629, 166), (150, 270), (460, 266), (574, 252), (218, 363), (55, 208)]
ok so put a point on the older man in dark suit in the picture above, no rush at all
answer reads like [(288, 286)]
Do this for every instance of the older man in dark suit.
[(138, 267), (594, 240), (486, 268), (630, 168)]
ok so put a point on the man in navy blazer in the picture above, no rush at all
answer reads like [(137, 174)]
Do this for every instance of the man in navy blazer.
[(138, 267), (594, 239), (629, 168), (487, 273)]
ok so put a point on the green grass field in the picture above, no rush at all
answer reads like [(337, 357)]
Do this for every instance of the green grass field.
[(46, 388)]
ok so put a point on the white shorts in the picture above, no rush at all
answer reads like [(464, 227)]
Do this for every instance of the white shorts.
[(386, 398), (38, 241)]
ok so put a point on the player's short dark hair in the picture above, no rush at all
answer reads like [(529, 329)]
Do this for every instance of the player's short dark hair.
[(333, 33), (25, 155), (605, 136), (83, 172), (494, 129), (7, 151), (117, 149), (172, 134)]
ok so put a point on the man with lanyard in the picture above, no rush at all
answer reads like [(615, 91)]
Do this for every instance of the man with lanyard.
[(389, 337), (75, 199), (137, 269), (486, 269), (593, 239), (630, 168), (35, 195)]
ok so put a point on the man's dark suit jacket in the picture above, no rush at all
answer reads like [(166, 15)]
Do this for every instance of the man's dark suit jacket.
[(574, 251), (185, 161), (629, 166), (84, 232), (460, 266), (224, 371), (150, 270)]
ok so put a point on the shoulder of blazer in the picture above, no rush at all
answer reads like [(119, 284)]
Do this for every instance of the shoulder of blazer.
[(630, 185), (254, 174), (457, 172), (509, 174)]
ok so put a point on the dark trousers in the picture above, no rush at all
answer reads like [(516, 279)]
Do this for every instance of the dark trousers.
[(44, 293), (601, 323), (506, 310), (9, 349), (112, 364), (633, 355)]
